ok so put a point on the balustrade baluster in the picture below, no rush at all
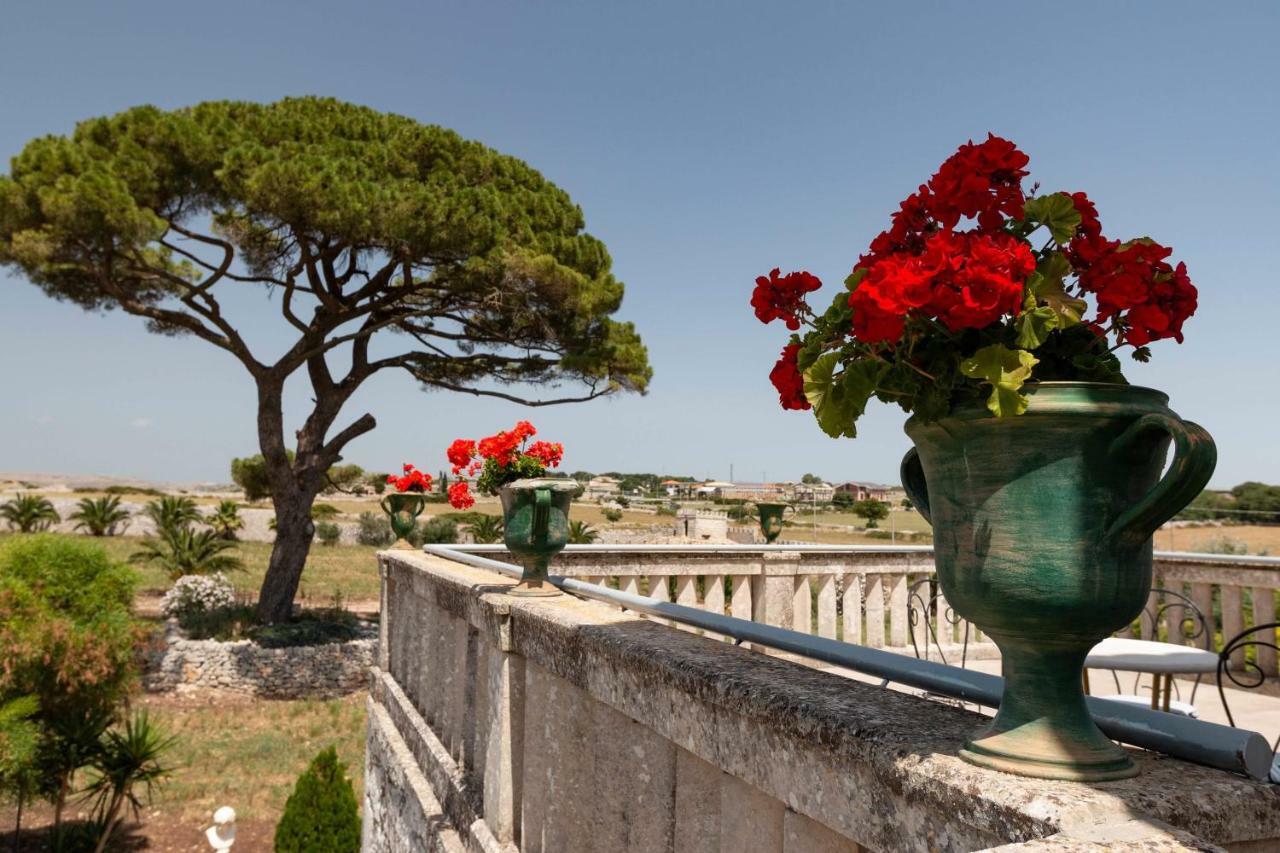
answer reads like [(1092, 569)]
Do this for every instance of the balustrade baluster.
[(1233, 620), (897, 603), (874, 592), (852, 606), (827, 606), (802, 606), (1264, 610)]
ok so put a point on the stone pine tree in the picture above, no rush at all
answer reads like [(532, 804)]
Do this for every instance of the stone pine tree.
[(382, 244)]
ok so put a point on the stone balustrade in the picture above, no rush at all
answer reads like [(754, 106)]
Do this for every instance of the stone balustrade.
[(511, 724), (860, 594)]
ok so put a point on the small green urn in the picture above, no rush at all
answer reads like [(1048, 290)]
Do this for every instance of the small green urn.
[(403, 509), (771, 520), (536, 527), (1042, 528)]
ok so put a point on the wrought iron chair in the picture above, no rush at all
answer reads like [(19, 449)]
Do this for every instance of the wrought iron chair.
[(1251, 676), (927, 614), (1193, 629)]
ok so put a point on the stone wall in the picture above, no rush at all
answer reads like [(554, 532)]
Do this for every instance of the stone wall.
[(511, 724), (324, 671)]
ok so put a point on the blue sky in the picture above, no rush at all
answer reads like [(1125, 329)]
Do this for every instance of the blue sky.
[(706, 143)]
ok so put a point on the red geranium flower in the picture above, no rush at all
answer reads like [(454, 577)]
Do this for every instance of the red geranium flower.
[(547, 453), (786, 377), (412, 481), (781, 297), (460, 495), (981, 180), (460, 453)]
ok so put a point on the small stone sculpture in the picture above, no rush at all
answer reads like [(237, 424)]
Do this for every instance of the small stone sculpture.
[(223, 832)]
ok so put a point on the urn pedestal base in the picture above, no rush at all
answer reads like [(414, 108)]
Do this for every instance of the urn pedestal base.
[(1044, 728), (534, 589)]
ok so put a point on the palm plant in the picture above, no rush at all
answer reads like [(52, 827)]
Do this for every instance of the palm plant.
[(101, 516), (581, 533), (29, 513), (183, 551), (129, 757), (226, 520), (171, 512), (486, 529)]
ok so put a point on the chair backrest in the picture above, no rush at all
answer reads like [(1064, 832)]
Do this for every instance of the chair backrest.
[(928, 613), (1179, 613), (1249, 674)]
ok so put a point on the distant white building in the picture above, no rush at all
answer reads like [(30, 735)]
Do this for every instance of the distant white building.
[(814, 493), (598, 488)]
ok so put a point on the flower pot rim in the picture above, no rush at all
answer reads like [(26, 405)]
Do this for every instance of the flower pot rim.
[(1061, 398), (556, 484)]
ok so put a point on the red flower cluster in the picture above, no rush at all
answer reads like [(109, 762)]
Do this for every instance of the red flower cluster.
[(503, 446), (983, 181), (497, 455), (965, 281), (546, 452), (460, 495), (786, 377), (781, 297), (412, 481), (1134, 281)]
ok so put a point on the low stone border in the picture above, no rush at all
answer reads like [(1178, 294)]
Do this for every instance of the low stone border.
[(243, 666)]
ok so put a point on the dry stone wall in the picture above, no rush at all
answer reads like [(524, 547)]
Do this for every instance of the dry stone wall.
[(324, 671)]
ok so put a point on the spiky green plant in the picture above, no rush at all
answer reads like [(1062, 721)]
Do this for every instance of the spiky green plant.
[(183, 551), (29, 513), (226, 520), (486, 530), (581, 533), (101, 516), (172, 512), (129, 758)]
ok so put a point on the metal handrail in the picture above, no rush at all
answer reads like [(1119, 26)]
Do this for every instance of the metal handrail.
[(640, 548), (1197, 741)]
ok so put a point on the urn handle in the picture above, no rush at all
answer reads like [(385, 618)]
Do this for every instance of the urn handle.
[(541, 514), (1194, 458), (914, 484)]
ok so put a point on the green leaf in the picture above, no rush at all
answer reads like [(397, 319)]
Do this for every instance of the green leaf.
[(1057, 213), (838, 401), (1005, 370), (1046, 285), (1034, 327), (855, 278)]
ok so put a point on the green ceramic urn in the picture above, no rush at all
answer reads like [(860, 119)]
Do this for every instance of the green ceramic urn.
[(1042, 528), (536, 528), (771, 520), (403, 509)]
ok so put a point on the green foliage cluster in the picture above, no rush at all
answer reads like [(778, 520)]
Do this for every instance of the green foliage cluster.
[(437, 530), (486, 530), (374, 529), (320, 815), (328, 533), (100, 516), (611, 514), (250, 474), (872, 510), (581, 533), (180, 549), (67, 644), (29, 513)]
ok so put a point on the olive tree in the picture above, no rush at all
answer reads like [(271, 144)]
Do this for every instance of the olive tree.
[(382, 243)]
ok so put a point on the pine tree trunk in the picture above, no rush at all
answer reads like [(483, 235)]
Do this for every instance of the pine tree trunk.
[(17, 824), (294, 532)]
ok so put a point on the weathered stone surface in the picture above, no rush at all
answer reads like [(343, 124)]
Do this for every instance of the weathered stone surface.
[(400, 811), (299, 672), (852, 763)]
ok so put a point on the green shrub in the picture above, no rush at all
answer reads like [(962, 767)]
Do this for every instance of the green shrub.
[(328, 533), (876, 533), (436, 531), (486, 530), (581, 533), (320, 815), (611, 514), (29, 514), (172, 513), (182, 551), (324, 511), (374, 530), (100, 516), (1223, 545)]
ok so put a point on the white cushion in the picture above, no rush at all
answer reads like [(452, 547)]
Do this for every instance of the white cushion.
[(1148, 656), (1185, 709)]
